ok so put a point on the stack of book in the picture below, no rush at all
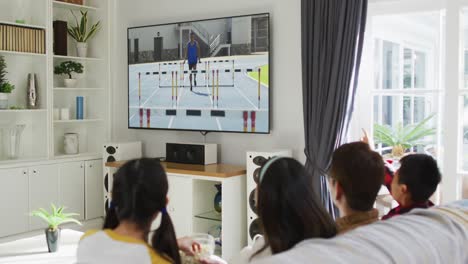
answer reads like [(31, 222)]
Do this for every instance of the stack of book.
[(22, 39), (76, 2)]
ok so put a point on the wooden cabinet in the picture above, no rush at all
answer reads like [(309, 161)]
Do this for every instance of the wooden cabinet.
[(94, 206), (43, 190), (14, 201), (72, 187)]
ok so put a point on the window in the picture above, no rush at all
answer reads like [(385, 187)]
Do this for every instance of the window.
[(404, 94), (415, 65)]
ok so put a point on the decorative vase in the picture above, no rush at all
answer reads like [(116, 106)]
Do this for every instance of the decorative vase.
[(71, 143), (82, 49), (32, 100), (3, 101), (217, 199), (70, 83), (12, 140), (53, 239)]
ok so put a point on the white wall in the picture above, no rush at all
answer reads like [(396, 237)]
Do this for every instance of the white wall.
[(287, 117)]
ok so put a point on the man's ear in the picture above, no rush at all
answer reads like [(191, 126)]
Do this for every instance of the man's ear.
[(167, 200), (338, 190), (403, 188)]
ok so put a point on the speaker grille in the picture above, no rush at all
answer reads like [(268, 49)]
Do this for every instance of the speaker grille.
[(254, 228), (110, 159), (259, 160), (106, 182), (256, 175), (252, 201), (111, 150)]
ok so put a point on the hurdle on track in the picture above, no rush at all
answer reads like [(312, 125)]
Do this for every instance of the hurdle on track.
[(213, 90), (253, 116), (139, 89), (214, 83), (217, 87), (141, 117), (259, 78), (148, 118), (176, 88), (172, 88), (205, 72)]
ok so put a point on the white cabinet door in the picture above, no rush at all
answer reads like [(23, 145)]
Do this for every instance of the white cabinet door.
[(94, 203), (72, 187), (43, 190), (180, 204), (14, 208)]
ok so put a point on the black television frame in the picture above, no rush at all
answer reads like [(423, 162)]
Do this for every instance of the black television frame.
[(199, 130)]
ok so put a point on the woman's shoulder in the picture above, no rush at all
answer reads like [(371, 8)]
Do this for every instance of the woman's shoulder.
[(89, 233), (249, 252), (156, 258)]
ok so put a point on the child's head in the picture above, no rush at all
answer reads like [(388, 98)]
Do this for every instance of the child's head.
[(139, 193), (356, 176), (287, 206), (416, 179)]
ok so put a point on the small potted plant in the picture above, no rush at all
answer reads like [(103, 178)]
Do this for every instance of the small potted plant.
[(5, 87), (67, 68), (82, 34), (54, 219), (402, 137)]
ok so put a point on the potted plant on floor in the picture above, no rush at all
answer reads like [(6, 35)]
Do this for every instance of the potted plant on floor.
[(81, 33), (5, 87), (54, 219), (402, 138), (67, 68)]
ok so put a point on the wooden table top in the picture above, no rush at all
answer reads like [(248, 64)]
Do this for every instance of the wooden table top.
[(212, 170)]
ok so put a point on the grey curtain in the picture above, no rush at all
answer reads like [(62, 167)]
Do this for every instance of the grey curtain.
[(332, 40)]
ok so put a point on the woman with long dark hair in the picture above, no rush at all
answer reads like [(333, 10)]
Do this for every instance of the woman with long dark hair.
[(139, 195), (288, 210)]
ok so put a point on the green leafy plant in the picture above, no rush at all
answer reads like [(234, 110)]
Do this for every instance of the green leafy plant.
[(402, 137), (80, 31), (55, 218), (5, 86), (68, 67)]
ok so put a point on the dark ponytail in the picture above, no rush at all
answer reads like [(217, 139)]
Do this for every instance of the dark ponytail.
[(164, 239), (139, 192), (111, 221)]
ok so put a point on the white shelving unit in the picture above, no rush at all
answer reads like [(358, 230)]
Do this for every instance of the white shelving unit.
[(58, 4), (42, 139)]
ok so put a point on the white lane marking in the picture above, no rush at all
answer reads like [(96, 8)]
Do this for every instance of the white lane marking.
[(219, 124), (155, 91), (170, 122), (245, 97)]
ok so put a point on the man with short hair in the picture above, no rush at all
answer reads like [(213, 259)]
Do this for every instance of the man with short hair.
[(355, 177), (192, 55)]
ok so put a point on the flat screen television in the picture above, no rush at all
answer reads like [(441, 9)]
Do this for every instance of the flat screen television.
[(206, 75)]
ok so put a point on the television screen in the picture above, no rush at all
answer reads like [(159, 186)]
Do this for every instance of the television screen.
[(208, 75)]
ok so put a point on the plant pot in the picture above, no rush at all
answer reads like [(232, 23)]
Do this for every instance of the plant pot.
[(53, 239), (82, 49), (70, 83), (3, 101)]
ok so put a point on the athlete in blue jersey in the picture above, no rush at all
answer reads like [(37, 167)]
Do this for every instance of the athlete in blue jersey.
[(192, 55)]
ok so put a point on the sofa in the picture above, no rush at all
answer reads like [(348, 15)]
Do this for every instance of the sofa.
[(436, 235)]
